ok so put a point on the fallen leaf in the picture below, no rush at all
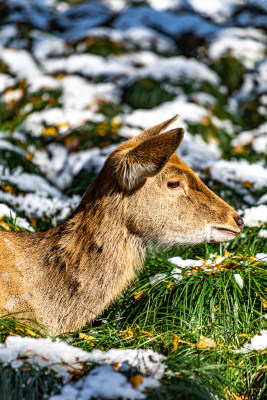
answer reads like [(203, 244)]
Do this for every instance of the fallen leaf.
[(50, 131), (136, 380), (140, 294), (206, 343)]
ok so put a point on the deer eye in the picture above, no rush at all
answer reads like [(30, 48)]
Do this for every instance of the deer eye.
[(174, 185)]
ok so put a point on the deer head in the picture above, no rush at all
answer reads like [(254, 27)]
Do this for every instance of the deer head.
[(165, 201)]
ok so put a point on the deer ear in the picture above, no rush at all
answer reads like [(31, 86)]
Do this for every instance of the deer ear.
[(147, 158), (155, 130)]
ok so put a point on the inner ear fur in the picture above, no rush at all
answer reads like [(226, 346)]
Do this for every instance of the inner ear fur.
[(147, 158)]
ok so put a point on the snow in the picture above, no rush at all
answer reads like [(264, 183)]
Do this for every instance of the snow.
[(170, 24), (262, 234), (20, 63), (245, 44), (257, 343), (5, 145), (6, 81), (157, 278), (189, 112), (103, 381), (29, 182), (12, 96), (7, 212), (78, 94), (36, 122), (255, 216), (90, 66), (77, 20), (36, 205), (239, 174), (217, 10), (261, 256), (257, 138), (177, 69), (239, 281), (34, 12), (185, 263)]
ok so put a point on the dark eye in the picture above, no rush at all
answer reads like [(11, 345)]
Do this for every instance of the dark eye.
[(173, 185)]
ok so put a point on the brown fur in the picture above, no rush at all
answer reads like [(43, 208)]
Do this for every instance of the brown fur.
[(68, 275)]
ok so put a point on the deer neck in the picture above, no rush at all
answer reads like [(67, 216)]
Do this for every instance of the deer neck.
[(92, 255)]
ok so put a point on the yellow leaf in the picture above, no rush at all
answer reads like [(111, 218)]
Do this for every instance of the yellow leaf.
[(50, 131), (175, 342), (136, 380), (29, 156), (60, 77), (206, 343), (63, 125), (242, 397), (116, 366), (264, 304), (248, 185), (7, 188), (239, 149), (33, 222), (87, 337), (84, 336), (139, 294), (127, 334), (170, 285), (148, 333)]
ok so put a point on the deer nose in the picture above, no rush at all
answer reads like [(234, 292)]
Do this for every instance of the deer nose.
[(240, 223)]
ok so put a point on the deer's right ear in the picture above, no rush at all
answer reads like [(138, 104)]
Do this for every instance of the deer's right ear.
[(147, 159)]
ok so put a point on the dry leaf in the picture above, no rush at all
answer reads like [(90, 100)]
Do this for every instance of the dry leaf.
[(136, 380), (206, 343), (148, 333), (51, 131), (116, 366), (140, 294), (175, 342), (127, 334), (86, 337)]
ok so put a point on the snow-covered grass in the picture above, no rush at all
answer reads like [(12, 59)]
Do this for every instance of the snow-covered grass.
[(76, 78)]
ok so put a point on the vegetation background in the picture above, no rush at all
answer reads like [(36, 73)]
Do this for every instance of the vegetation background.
[(76, 78)]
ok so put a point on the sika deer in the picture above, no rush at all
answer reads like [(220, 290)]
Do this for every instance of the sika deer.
[(143, 194)]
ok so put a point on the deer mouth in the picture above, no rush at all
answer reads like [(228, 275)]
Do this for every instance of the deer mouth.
[(227, 231)]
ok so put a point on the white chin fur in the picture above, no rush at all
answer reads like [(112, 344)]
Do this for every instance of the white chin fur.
[(217, 235)]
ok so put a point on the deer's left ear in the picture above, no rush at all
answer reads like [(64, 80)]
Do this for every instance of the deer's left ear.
[(147, 158), (156, 130)]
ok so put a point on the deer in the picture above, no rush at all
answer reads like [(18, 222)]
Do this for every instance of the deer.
[(68, 275)]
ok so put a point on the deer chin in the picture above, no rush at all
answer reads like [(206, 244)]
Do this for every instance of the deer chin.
[(223, 233)]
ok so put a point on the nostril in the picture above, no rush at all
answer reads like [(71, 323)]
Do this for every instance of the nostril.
[(239, 221)]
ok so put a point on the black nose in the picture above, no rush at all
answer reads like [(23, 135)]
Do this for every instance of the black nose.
[(239, 221)]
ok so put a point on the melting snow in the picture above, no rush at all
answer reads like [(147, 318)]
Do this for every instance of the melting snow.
[(257, 343), (238, 175), (239, 281), (102, 381), (254, 216), (7, 212), (245, 44)]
